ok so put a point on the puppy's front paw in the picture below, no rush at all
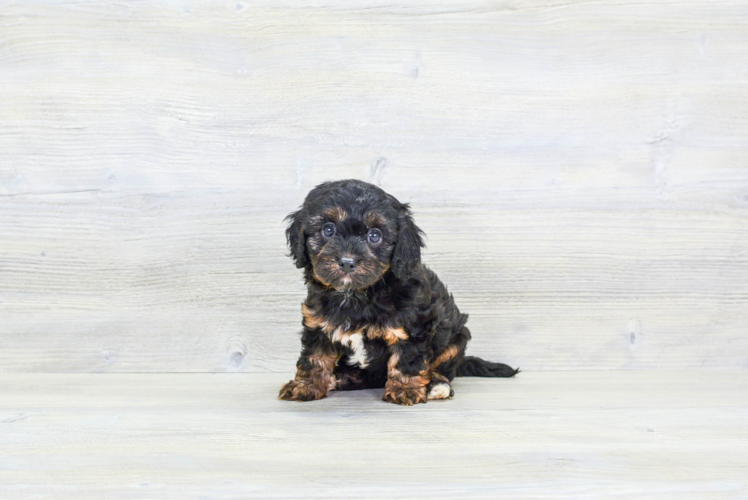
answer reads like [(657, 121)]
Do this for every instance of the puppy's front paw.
[(296, 390), (403, 394)]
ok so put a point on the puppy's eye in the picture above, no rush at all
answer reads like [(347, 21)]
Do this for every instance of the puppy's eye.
[(374, 236), (328, 230)]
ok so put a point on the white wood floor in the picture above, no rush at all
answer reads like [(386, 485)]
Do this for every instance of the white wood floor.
[(626, 434)]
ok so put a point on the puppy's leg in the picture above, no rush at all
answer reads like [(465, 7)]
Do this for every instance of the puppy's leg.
[(407, 375), (314, 370), (444, 365)]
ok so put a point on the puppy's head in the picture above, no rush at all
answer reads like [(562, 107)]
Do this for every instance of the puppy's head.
[(348, 234)]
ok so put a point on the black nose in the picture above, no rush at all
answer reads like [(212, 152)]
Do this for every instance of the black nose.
[(347, 263)]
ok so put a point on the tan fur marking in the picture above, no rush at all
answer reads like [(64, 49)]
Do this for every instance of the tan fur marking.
[(336, 334), (450, 352), (315, 262), (374, 219), (311, 320), (326, 361), (405, 389), (392, 370), (336, 213), (390, 335), (314, 383)]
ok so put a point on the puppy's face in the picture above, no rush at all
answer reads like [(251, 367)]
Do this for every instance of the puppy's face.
[(348, 234), (350, 246)]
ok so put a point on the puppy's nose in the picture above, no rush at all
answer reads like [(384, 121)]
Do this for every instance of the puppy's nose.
[(347, 263)]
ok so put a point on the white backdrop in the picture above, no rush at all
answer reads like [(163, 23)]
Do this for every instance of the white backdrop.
[(580, 168)]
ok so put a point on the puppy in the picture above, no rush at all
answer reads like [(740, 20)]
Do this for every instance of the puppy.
[(374, 315)]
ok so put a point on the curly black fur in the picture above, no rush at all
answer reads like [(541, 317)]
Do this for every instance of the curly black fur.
[(383, 319)]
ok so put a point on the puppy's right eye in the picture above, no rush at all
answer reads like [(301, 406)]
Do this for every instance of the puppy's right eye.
[(328, 230)]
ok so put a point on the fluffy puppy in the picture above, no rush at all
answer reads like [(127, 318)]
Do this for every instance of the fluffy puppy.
[(374, 315)]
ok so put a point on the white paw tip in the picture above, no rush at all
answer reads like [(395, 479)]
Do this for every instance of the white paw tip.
[(441, 390)]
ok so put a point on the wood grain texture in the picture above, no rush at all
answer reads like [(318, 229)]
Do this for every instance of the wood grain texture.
[(579, 168), (578, 435)]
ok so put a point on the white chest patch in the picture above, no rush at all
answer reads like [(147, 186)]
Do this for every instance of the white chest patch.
[(355, 342)]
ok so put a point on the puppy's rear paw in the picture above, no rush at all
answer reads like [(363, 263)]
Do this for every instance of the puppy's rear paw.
[(296, 390), (440, 390)]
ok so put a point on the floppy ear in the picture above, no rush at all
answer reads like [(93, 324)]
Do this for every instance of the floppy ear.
[(295, 238), (407, 253)]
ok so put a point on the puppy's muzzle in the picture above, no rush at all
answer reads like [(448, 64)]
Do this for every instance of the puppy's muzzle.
[(348, 264)]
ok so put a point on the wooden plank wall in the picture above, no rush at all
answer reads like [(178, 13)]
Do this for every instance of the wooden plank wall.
[(581, 169)]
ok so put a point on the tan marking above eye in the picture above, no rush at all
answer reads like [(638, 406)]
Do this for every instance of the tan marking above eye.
[(374, 219), (335, 213)]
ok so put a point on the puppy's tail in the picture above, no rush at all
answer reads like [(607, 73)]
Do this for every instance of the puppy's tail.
[(476, 367)]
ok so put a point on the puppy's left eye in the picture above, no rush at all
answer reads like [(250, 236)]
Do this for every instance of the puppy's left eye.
[(374, 236)]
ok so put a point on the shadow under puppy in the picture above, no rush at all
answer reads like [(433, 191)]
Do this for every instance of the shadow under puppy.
[(374, 316)]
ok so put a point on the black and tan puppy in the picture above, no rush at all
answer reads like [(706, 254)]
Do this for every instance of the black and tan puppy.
[(374, 316)]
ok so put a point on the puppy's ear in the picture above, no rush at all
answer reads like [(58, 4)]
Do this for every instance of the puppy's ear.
[(295, 238), (407, 253)]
